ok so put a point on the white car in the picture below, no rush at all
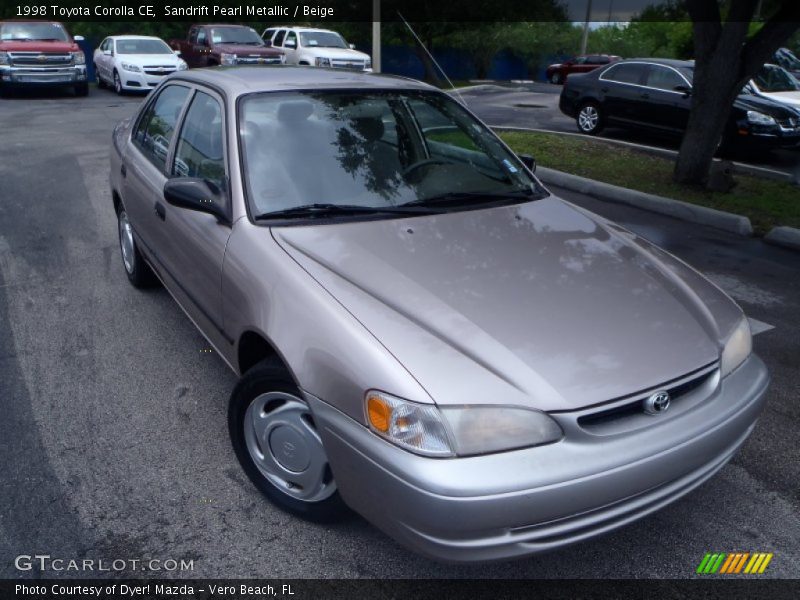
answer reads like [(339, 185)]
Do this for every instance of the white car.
[(134, 62), (317, 48), (776, 83)]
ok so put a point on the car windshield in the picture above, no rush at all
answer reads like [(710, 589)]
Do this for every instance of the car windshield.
[(322, 39), (373, 150), (775, 79), (33, 31), (142, 47), (235, 35)]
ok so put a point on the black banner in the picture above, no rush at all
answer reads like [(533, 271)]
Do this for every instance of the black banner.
[(321, 589)]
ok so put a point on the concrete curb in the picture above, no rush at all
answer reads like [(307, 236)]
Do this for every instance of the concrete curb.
[(666, 206), (788, 237)]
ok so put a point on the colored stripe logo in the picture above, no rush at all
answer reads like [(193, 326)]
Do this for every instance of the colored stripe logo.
[(734, 563)]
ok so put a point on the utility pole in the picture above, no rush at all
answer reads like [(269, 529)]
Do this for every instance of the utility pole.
[(585, 39), (376, 36)]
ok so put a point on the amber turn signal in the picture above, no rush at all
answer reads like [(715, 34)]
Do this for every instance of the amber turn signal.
[(379, 413)]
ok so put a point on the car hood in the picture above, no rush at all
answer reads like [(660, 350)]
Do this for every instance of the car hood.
[(539, 304), (38, 46), (169, 58), (768, 106), (338, 53), (792, 98), (244, 49)]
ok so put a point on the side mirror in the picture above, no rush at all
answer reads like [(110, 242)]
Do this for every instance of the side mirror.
[(528, 161), (195, 194), (683, 89), (78, 38), (107, 52), (177, 52), (351, 46)]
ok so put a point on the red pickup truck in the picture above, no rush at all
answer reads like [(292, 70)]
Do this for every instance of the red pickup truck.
[(212, 45), (41, 53)]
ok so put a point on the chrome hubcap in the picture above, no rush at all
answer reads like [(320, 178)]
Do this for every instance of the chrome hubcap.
[(126, 242), (284, 445), (588, 118)]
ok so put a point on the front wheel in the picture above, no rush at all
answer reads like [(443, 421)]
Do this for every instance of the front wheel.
[(118, 84), (589, 119), (276, 441)]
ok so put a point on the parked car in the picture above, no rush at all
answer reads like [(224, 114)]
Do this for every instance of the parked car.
[(134, 62), (317, 48), (787, 59), (424, 332), (225, 44), (655, 94), (776, 83), (583, 63), (41, 53)]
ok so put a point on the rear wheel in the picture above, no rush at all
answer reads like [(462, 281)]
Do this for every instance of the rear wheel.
[(137, 270), (100, 81), (555, 78), (589, 119), (276, 441)]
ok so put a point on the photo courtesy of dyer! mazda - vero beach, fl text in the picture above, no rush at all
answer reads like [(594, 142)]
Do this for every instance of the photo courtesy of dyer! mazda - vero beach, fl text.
[(423, 332)]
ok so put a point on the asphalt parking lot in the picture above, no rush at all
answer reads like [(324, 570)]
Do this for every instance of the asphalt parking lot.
[(535, 105), (114, 427)]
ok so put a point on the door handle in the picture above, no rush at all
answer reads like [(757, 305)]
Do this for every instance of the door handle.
[(124, 170), (162, 214)]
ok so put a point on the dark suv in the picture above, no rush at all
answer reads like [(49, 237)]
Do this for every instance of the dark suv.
[(655, 94)]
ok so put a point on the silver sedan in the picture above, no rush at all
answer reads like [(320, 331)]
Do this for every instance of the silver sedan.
[(424, 333)]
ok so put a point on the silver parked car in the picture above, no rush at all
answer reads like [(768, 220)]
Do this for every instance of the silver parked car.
[(423, 332)]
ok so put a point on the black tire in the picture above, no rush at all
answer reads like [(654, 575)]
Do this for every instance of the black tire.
[(138, 271), (270, 377), (556, 78), (118, 84), (590, 118), (82, 89), (100, 82)]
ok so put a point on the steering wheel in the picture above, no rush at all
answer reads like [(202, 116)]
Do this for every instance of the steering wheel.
[(424, 163)]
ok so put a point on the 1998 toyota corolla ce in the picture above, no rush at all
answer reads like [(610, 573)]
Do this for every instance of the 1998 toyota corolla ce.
[(424, 332)]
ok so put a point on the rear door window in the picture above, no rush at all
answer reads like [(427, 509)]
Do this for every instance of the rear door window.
[(278, 41), (625, 73)]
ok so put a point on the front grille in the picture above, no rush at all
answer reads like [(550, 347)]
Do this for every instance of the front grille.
[(338, 63), (628, 414), (259, 60), (159, 69), (43, 59)]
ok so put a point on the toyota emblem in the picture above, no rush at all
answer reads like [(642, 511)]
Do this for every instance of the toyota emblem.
[(657, 403)]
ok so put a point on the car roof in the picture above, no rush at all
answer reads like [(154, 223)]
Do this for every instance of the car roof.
[(243, 79), (302, 28), (133, 37), (669, 62)]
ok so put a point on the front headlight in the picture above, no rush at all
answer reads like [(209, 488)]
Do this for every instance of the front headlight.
[(757, 118), (130, 67), (182, 66), (457, 430), (737, 348), (322, 61), (79, 58), (227, 59), (4, 58)]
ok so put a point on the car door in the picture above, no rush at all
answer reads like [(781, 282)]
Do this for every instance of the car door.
[(144, 167), (290, 48), (102, 60), (191, 244), (621, 92), (665, 107)]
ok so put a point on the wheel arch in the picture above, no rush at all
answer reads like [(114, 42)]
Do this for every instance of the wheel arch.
[(254, 347)]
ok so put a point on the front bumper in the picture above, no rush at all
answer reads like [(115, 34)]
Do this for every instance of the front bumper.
[(42, 76), (526, 501), (132, 80)]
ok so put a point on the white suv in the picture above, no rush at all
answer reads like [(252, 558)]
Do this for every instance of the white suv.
[(317, 48)]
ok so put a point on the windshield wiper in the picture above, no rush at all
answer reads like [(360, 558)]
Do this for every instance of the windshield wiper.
[(326, 210), (462, 198)]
